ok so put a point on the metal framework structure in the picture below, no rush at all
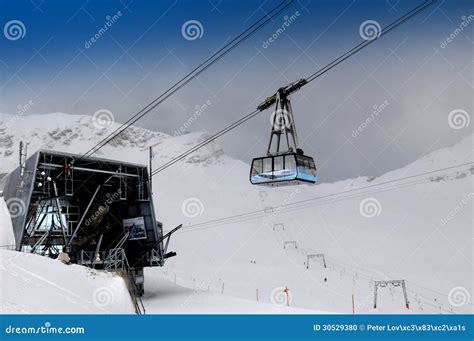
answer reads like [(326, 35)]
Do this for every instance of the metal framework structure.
[(393, 283), (285, 163), (283, 123), (290, 242), (99, 212), (278, 226), (315, 255)]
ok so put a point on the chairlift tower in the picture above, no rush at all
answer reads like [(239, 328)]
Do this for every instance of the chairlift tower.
[(393, 283)]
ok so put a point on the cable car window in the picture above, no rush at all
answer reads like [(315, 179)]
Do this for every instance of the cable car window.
[(290, 163), (257, 167), (278, 163), (267, 165), (306, 168)]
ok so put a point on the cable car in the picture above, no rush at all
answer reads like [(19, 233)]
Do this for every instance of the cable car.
[(278, 168), (284, 169)]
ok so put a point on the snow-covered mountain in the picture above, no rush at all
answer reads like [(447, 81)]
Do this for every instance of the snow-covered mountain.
[(418, 229)]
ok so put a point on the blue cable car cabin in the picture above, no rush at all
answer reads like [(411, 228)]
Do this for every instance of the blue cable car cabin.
[(283, 169)]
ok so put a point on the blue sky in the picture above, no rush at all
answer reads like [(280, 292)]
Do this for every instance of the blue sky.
[(144, 52)]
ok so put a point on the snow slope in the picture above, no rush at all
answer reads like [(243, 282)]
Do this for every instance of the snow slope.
[(34, 284), (7, 238), (31, 284), (420, 231), (162, 296)]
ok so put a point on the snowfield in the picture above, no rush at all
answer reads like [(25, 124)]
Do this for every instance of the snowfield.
[(32, 284), (418, 229)]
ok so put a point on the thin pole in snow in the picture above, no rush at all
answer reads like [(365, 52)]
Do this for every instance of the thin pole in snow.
[(151, 169), (287, 291), (353, 305)]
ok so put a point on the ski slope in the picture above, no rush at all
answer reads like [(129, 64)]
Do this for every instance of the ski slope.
[(418, 229), (32, 284)]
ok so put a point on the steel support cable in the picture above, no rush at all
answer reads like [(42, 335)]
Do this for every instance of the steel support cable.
[(367, 42), (286, 209), (309, 79), (308, 201), (191, 75), (206, 142)]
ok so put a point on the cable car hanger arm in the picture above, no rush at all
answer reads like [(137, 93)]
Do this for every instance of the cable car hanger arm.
[(290, 88), (295, 86)]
